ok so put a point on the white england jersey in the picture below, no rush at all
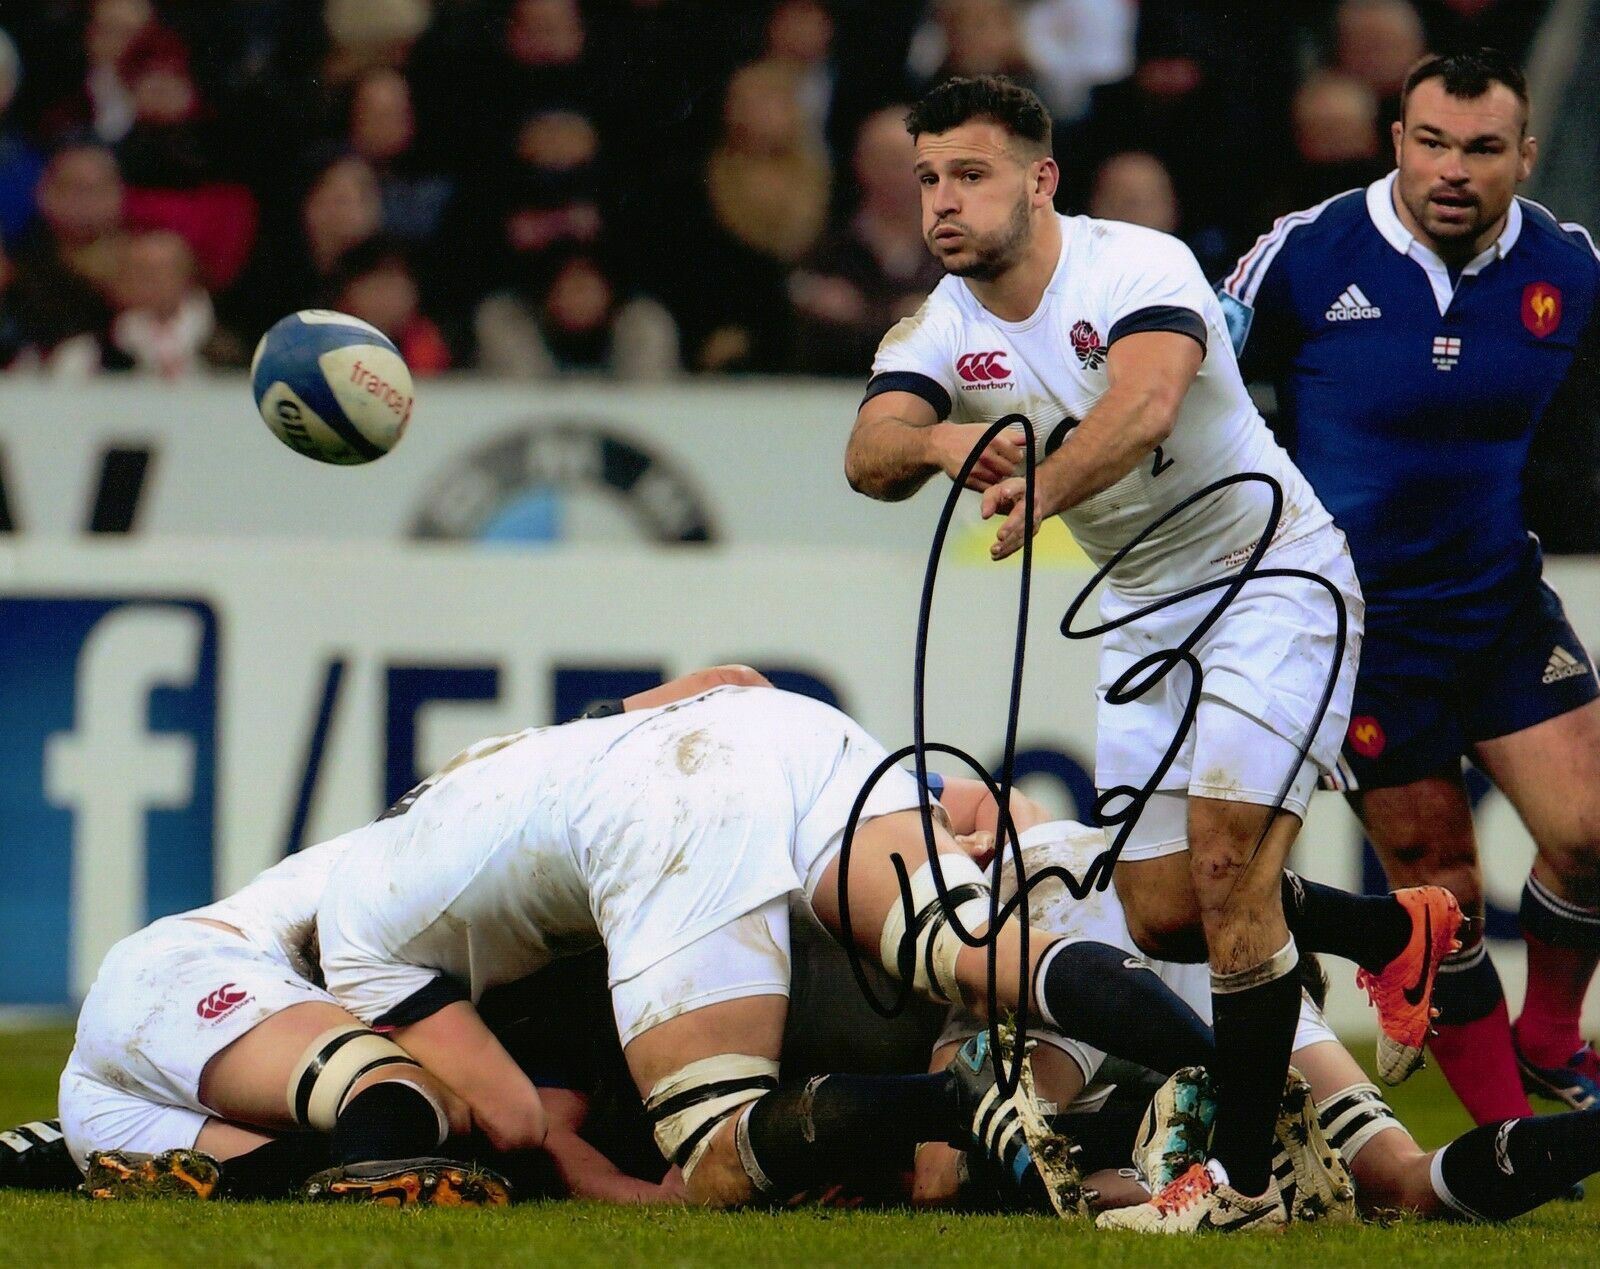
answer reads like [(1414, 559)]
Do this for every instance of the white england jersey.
[(1112, 280), (644, 831), (278, 910)]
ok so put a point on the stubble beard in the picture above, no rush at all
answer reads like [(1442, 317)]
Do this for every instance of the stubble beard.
[(994, 255)]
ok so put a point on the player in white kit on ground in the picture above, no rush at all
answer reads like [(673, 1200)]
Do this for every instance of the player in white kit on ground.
[(1106, 338), (674, 837), (205, 1038)]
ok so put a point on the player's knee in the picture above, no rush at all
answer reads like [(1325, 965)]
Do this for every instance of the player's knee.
[(1576, 865), (694, 1113), (1168, 931)]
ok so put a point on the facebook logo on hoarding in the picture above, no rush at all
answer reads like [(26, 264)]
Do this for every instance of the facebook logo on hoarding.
[(107, 780)]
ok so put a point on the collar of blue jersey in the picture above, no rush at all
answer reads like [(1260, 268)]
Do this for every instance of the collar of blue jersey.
[(1380, 206)]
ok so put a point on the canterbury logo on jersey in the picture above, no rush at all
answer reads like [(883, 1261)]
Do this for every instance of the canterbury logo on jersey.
[(983, 367), (1563, 665), (1352, 306), (224, 1000)]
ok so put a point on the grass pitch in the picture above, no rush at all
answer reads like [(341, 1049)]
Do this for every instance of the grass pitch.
[(38, 1230)]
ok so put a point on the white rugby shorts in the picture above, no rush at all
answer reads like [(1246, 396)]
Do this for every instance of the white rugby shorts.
[(710, 840), (1265, 665), (167, 1000)]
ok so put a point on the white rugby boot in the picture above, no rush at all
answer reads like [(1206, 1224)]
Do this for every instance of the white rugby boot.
[(1198, 1201)]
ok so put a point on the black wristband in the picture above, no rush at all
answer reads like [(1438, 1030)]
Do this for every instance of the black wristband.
[(602, 709)]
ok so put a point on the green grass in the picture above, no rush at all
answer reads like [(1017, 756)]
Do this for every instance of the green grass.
[(52, 1230)]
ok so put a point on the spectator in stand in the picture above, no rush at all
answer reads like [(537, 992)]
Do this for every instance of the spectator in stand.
[(1508, 25), (100, 103), (363, 34), (382, 130), (66, 264), (1337, 141), (577, 323), (1074, 47), (538, 64), (168, 160), (800, 36), (374, 281), (20, 164), (1378, 42), (514, 230), (292, 268), (164, 323), (972, 37), (768, 183), (1136, 188), (872, 269)]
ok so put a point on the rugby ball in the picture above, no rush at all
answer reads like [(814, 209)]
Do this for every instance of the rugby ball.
[(331, 387)]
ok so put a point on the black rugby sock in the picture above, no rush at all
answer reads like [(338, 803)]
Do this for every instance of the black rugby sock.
[(1255, 1017), (1370, 930), (275, 1170), (1504, 1169), (34, 1156), (393, 1119), (845, 1129), (1112, 1000)]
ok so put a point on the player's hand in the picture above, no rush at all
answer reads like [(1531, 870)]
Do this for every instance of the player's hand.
[(1010, 497), (1001, 456)]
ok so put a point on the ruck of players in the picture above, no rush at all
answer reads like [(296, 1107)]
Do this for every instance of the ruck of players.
[(607, 959)]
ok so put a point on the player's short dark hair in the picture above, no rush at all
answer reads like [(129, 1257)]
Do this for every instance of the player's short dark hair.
[(995, 98), (1468, 75)]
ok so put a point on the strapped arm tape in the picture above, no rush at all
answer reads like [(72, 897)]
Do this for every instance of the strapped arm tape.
[(936, 945), (686, 1105), (333, 1063), (1354, 1116)]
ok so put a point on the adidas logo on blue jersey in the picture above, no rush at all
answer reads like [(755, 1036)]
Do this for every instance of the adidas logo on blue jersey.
[(1563, 665), (1352, 306)]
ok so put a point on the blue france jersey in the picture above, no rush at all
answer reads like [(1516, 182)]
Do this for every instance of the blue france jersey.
[(1409, 395)]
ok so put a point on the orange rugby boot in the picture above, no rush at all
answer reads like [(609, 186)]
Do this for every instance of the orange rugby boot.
[(1403, 990)]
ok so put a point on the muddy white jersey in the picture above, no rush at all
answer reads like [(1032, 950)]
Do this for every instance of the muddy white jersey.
[(1112, 280), (278, 910), (644, 831)]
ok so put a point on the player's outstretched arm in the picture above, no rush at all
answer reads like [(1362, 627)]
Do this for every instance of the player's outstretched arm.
[(1148, 374), (455, 1045), (898, 442)]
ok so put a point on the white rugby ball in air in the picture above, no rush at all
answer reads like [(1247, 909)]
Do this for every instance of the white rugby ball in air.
[(331, 387)]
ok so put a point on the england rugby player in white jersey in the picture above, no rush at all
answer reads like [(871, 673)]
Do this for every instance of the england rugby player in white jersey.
[(674, 837), (1107, 339)]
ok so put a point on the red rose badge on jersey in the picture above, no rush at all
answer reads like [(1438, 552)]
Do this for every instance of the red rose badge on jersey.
[(1541, 308), (1086, 343), (1366, 736)]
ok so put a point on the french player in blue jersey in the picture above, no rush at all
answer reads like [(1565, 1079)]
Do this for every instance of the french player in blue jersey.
[(1420, 331)]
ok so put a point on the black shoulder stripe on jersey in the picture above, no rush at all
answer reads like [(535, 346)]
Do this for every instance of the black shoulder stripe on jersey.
[(1181, 321), (918, 385), (425, 1002)]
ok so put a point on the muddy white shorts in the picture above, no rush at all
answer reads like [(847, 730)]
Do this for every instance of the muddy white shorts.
[(167, 1000), (1265, 664)]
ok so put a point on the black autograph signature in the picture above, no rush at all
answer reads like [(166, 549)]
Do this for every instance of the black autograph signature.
[(1129, 686)]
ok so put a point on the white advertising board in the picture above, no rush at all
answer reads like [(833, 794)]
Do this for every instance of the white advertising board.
[(174, 716)]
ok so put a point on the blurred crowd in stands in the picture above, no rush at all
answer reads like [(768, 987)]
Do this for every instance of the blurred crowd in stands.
[(637, 187)]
